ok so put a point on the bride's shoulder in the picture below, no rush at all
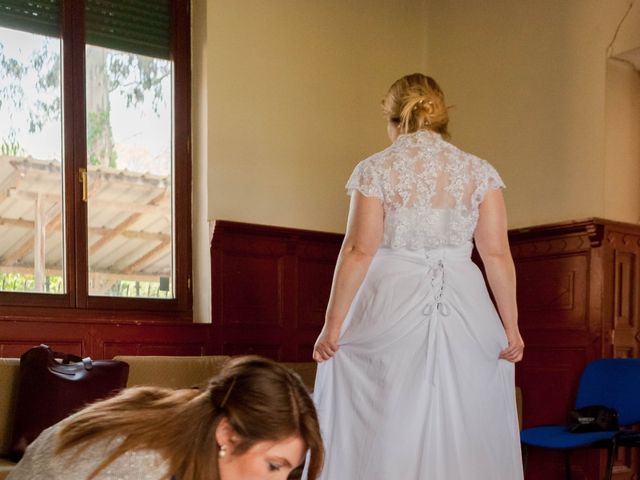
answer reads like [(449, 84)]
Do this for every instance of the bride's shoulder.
[(380, 159)]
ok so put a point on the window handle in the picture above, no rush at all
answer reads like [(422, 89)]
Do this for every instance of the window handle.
[(83, 181)]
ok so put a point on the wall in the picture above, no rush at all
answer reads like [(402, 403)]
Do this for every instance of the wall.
[(622, 135), (294, 90), (201, 271), (528, 83), (288, 102)]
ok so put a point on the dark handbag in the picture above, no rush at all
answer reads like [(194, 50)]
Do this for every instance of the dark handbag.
[(53, 385), (593, 418)]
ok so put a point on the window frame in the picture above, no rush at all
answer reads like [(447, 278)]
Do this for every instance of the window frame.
[(77, 302)]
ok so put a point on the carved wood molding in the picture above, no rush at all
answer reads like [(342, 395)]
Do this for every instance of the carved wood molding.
[(270, 287), (557, 238)]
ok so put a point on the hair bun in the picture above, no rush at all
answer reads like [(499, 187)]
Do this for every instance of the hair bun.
[(416, 102)]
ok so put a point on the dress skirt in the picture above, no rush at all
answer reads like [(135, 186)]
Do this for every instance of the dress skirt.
[(416, 390)]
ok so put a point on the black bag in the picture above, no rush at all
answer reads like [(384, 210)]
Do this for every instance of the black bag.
[(53, 385), (593, 418)]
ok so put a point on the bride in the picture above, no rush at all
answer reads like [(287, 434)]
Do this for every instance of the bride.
[(416, 374)]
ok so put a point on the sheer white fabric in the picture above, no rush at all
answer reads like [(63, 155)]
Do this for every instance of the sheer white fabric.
[(41, 463), (430, 189)]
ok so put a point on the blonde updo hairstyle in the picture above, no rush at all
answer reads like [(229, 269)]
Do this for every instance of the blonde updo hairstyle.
[(416, 102)]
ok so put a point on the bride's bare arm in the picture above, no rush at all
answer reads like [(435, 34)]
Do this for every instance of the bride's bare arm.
[(361, 241), (493, 245)]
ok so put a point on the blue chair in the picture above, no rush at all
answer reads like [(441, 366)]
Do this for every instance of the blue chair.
[(612, 382)]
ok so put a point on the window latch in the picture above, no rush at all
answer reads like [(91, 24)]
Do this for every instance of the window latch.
[(83, 181)]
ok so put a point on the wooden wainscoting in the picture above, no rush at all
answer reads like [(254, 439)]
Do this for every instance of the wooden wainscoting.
[(270, 288), (577, 301), (104, 338)]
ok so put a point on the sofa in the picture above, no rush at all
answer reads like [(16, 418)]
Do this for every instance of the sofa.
[(162, 371)]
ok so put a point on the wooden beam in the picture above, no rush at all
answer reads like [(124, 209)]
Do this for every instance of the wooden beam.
[(162, 210), (27, 245), (12, 181), (16, 222), (122, 226), (33, 196), (148, 257), (142, 235), (155, 208), (40, 240)]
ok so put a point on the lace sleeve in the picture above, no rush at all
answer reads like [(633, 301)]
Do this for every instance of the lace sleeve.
[(488, 178), (366, 179)]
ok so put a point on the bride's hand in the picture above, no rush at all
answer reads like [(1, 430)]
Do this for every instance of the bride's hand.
[(515, 349), (325, 347)]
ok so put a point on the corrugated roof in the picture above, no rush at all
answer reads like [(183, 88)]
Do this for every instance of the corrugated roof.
[(129, 221)]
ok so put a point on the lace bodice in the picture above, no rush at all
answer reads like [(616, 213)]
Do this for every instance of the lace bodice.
[(430, 190)]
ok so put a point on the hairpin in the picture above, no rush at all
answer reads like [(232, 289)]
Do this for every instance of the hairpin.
[(226, 395)]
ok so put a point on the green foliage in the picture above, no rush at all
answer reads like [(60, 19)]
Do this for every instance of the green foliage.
[(136, 75), (11, 73), (131, 288), (17, 282), (98, 127), (10, 147)]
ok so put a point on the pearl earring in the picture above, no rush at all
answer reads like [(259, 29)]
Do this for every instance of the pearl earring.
[(222, 452)]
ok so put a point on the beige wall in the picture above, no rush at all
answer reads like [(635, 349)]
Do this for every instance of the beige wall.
[(294, 85), (201, 271), (286, 102), (294, 88), (528, 82), (622, 134)]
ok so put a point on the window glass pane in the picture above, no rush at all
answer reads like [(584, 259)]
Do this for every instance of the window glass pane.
[(129, 162), (31, 187)]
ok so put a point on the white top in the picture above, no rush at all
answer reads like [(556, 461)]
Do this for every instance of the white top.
[(40, 463), (430, 190)]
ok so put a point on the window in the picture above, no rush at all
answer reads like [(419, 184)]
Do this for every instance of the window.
[(95, 165)]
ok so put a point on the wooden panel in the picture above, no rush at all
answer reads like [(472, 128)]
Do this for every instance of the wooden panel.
[(106, 339), (15, 349), (623, 309), (552, 292), (625, 303), (578, 301), (112, 349), (544, 366), (554, 271), (251, 289), (314, 285), (270, 288)]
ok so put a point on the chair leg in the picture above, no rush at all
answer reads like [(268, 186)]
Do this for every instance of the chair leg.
[(567, 464), (611, 456), (525, 456)]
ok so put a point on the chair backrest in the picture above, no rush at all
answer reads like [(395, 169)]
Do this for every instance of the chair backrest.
[(614, 382), (172, 372)]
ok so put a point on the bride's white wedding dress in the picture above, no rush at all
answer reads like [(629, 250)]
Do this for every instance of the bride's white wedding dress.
[(416, 390)]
